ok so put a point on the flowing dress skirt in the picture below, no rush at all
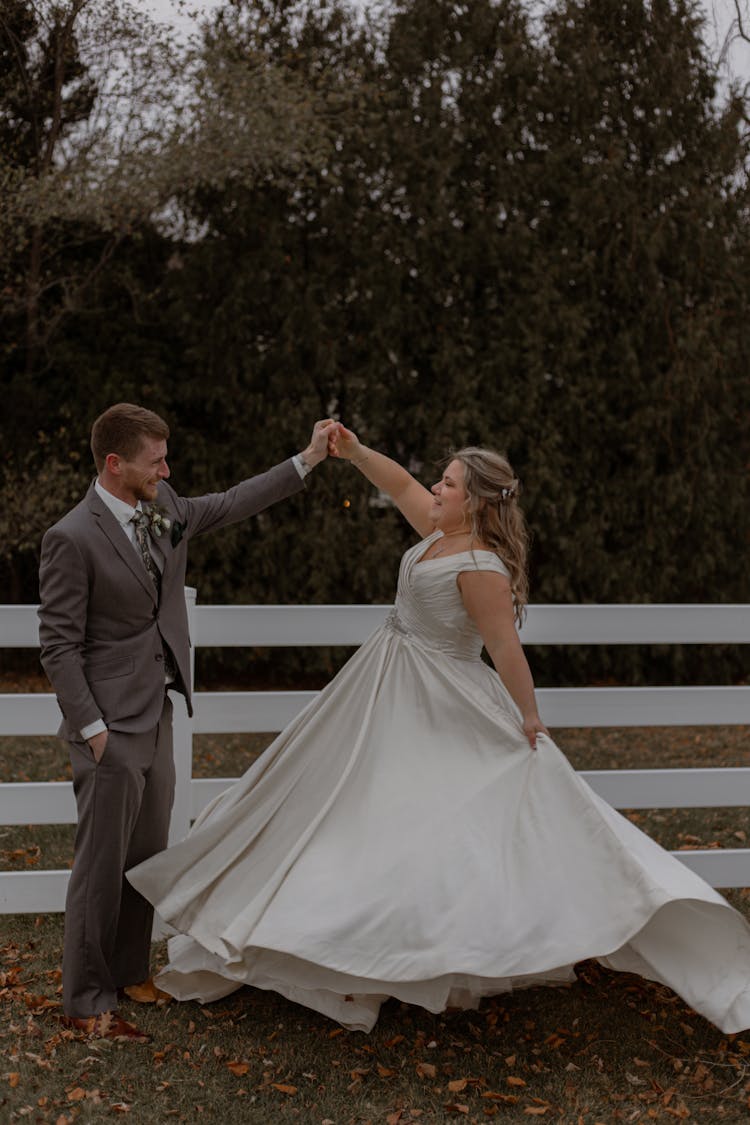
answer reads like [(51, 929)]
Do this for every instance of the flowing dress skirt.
[(400, 838)]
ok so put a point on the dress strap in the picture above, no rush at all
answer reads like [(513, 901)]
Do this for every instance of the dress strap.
[(481, 560)]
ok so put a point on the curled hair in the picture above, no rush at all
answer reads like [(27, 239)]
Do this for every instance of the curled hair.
[(496, 518), (121, 429)]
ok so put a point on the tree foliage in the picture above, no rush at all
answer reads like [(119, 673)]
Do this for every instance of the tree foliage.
[(451, 224), (105, 129)]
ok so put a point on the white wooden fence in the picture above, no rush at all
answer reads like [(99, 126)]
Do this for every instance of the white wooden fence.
[(223, 712)]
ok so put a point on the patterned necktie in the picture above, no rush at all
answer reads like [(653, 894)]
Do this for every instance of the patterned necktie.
[(140, 521)]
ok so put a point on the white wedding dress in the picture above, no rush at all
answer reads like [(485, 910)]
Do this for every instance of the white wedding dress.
[(400, 838)]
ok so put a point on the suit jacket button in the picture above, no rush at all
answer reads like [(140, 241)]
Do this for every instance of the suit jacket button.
[(159, 656)]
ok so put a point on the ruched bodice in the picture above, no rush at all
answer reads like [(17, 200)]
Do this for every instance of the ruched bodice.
[(429, 610)]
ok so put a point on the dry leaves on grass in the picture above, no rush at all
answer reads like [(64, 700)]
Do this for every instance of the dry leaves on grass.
[(29, 856)]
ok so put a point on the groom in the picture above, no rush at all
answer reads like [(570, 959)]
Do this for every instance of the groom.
[(114, 637)]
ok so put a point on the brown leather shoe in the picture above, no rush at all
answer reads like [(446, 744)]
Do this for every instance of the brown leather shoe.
[(107, 1025), (144, 993)]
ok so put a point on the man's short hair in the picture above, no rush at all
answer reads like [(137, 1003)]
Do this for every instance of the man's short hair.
[(121, 429)]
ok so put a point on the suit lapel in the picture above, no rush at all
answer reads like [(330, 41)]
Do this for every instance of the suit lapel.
[(119, 540), (162, 544), (158, 549)]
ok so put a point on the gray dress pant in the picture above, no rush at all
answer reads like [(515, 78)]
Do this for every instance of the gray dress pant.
[(124, 805)]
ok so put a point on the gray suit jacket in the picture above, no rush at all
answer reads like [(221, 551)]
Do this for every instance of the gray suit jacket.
[(100, 625)]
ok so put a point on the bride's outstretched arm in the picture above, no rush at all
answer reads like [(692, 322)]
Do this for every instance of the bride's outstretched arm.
[(411, 498), (489, 602)]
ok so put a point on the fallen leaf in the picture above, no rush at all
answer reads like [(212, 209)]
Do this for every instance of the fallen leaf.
[(146, 993), (426, 1070), (511, 1080), (454, 1107), (537, 1110), (284, 1089), (554, 1041), (13, 1079), (237, 1067), (457, 1085), (386, 1071), (39, 1003), (77, 1094)]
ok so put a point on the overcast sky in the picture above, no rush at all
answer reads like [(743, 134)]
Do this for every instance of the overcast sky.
[(722, 15)]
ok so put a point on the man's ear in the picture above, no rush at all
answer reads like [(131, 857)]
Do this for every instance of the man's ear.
[(113, 464)]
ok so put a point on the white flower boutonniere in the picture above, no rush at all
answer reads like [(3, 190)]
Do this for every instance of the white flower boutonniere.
[(156, 520)]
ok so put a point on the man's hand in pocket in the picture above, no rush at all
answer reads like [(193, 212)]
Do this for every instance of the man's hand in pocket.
[(98, 745)]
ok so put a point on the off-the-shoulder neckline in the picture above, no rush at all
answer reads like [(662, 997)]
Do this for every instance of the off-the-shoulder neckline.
[(455, 554)]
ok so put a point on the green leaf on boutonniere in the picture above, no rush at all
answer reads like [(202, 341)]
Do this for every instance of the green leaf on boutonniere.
[(178, 530)]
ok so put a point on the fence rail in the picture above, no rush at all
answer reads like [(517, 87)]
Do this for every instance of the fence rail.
[(240, 712)]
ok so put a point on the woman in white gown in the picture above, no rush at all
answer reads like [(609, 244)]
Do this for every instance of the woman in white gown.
[(415, 832)]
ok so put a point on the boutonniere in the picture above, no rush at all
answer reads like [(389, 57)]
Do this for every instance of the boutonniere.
[(156, 520), (178, 530)]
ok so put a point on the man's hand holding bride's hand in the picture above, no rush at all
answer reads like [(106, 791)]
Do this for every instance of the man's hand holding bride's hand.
[(345, 444), (319, 446)]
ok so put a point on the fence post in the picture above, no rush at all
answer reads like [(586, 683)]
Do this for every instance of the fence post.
[(182, 734)]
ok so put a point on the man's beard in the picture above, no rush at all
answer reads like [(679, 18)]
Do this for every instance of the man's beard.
[(147, 492)]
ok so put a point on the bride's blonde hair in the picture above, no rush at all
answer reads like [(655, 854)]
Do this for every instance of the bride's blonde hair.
[(496, 518)]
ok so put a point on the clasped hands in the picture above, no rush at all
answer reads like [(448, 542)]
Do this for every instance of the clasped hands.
[(329, 439)]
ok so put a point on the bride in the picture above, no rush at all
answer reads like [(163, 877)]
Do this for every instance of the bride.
[(415, 832)]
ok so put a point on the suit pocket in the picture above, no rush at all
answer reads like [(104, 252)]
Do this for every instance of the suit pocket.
[(109, 669)]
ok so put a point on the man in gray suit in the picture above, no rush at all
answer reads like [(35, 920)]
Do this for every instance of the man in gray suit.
[(114, 636)]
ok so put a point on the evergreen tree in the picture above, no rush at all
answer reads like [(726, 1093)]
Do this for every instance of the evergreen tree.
[(89, 172), (446, 224), (533, 242), (639, 357)]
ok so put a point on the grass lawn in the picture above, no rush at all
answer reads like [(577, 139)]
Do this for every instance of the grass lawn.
[(609, 1048)]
